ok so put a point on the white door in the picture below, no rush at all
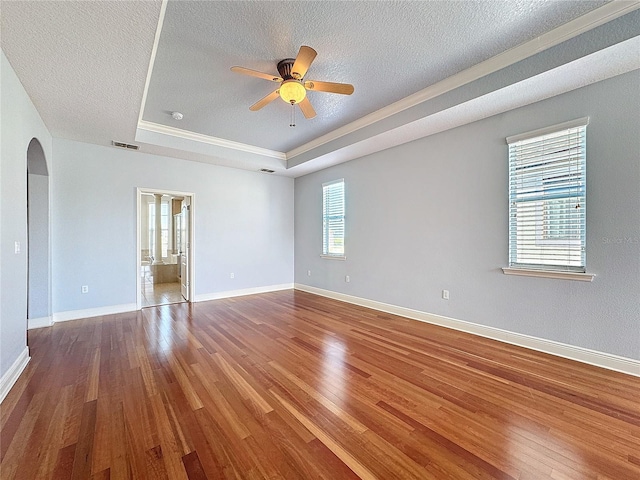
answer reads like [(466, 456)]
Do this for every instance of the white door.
[(185, 251)]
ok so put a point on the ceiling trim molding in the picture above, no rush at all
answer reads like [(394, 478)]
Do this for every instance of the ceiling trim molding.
[(579, 73), (152, 60), (218, 142), (580, 25)]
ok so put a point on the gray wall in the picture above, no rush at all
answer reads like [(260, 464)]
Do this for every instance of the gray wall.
[(38, 218), (19, 124), (432, 215), (243, 223)]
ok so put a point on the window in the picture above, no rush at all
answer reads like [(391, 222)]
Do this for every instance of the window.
[(164, 223), (547, 198), (333, 219)]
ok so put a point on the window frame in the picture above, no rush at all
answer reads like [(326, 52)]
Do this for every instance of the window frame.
[(541, 219), (326, 229)]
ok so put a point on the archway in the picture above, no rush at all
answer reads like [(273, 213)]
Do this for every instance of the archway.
[(38, 293)]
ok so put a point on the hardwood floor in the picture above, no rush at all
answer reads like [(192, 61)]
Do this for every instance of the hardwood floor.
[(290, 385)]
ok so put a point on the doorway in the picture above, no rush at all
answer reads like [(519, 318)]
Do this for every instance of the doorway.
[(165, 247), (38, 270)]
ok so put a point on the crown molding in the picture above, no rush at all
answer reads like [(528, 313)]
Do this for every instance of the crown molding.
[(616, 60), (201, 138), (591, 20), (154, 51)]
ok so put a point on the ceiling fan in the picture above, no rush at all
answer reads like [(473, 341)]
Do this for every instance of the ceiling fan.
[(293, 88)]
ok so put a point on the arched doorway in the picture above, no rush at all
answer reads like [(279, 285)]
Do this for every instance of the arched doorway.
[(38, 292)]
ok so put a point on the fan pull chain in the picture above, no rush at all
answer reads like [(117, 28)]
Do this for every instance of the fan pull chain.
[(293, 116)]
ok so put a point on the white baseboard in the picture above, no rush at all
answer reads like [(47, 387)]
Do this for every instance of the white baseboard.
[(246, 291), (580, 354), (11, 376), (130, 307), (39, 322), (93, 312)]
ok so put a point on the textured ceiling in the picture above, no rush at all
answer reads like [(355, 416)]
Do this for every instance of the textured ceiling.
[(85, 65), (387, 50)]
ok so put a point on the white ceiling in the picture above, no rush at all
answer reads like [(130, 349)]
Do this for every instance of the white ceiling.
[(115, 70)]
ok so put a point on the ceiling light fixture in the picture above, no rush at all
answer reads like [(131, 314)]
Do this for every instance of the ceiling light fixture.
[(177, 115), (293, 88), (292, 91)]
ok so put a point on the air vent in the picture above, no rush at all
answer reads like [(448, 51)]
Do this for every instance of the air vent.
[(266, 170), (125, 145)]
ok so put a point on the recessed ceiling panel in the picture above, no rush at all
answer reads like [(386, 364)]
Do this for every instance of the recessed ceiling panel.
[(387, 50)]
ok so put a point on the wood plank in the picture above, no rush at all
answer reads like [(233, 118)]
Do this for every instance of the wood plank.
[(341, 452), (194, 468), (84, 447), (64, 463)]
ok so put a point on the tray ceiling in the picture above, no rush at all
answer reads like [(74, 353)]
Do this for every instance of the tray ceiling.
[(113, 70), (387, 50)]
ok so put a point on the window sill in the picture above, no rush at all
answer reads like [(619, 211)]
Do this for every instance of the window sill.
[(334, 257), (529, 272)]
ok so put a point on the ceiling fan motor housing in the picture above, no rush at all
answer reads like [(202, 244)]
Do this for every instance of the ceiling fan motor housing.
[(284, 68)]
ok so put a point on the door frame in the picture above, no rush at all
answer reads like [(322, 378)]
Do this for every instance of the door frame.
[(191, 230)]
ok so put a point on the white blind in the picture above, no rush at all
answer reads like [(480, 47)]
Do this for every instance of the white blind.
[(333, 218), (547, 200)]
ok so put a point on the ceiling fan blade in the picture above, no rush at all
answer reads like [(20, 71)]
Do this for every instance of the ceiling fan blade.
[(255, 73), (303, 62), (264, 101), (307, 108), (330, 87)]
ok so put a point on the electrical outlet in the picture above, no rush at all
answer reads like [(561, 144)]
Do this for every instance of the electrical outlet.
[(308, 273), (347, 279), (85, 289), (232, 275), (445, 294)]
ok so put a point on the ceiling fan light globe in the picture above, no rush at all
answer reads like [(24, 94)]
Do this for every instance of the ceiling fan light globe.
[(292, 91)]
